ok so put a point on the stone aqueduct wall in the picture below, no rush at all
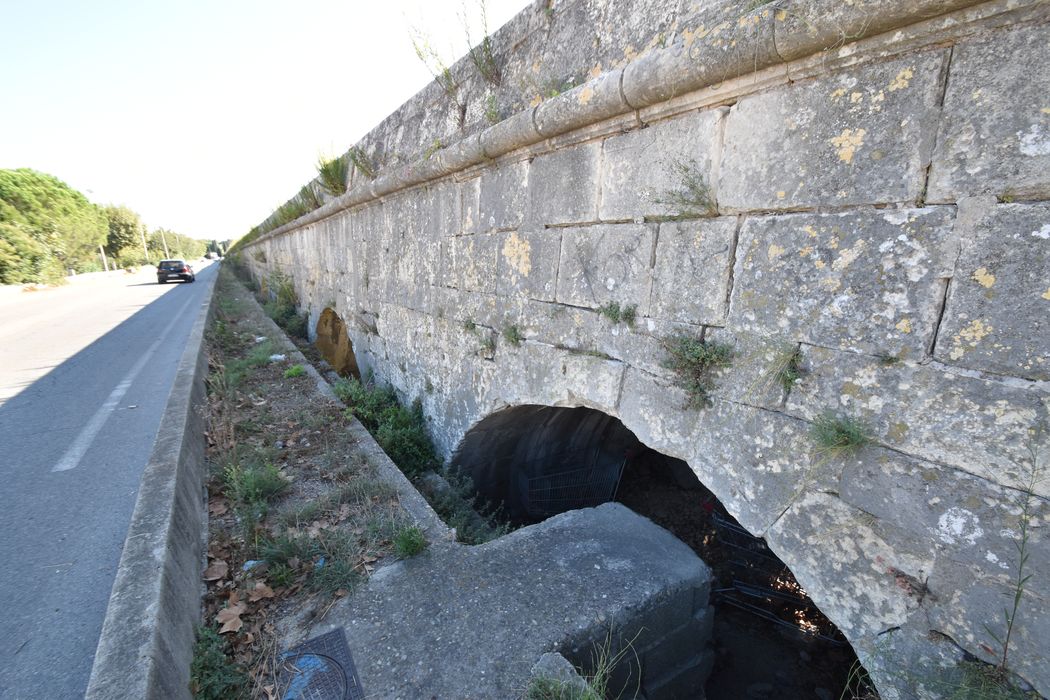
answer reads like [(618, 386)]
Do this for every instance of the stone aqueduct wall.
[(881, 171)]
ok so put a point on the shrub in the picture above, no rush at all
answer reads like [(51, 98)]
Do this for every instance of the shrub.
[(409, 541), (294, 371), (693, 360), (212, 675)]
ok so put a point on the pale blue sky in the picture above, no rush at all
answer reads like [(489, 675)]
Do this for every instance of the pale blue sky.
[(203, 116)]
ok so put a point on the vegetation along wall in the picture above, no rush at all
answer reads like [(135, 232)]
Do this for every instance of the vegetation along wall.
[(848, 197)]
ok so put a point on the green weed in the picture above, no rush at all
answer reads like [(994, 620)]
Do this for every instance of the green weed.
[(213, 676), (294, 371), (617, 314), (409, 541), (693, 360), (838, 436), (334, 174), (787, 369), (362, 163), (513, 335), (692, 197), (253, 483)]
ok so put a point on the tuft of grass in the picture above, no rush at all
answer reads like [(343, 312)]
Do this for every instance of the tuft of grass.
[(362, 163), (692, 197), (482, 56), (513, 335), (333, 174), (213, 675), (491, 109), (469, 326), (544, 688), (788, 368), (838, 435), (409, 541), (617, 314), (693, 360), (294, 371), (253, 483)]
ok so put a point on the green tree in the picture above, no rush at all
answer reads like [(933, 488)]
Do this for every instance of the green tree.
[(125, 229), (47, 225)]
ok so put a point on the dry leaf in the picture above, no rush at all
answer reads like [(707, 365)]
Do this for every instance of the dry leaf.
[(294, 562), (230, 618), (370, 559), (341, 592), (260, 591), (217, 507), (216, 571)]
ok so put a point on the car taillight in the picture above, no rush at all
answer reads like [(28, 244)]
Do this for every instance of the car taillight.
[(185, 269)]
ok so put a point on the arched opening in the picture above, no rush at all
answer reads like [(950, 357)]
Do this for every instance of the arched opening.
[(770, 639), (335, 345)]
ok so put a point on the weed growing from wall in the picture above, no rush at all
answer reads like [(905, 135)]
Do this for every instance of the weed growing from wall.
[(481, 55), (838, 435), (513, 335), (691, 197), (491, 109), (693, 361), (787, 368), (619, 314), (334, 173), (361, 162)]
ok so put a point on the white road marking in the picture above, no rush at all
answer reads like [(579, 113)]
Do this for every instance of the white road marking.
[(71, 458)]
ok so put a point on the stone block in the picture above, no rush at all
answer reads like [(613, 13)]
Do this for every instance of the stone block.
[(982, 426), (470, 262), (676, 648), (862, 136), (442, 211), (870, 281), (638, 167), (610, 262), (501, 200), (995, 133), (470, 193), (541, 374), (563, 186), (693, 264), (528, 263), (998, 313)]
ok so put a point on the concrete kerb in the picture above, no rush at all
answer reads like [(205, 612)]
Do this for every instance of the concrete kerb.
[(411, 500), (146, 644)]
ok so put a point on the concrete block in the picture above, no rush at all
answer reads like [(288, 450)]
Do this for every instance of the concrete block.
[(693, 265), (995, 133), (528, 263), (470, 262), (609, 262), (867, 281), (551, 200), (980, 425), (862, 136), (501, 201), (676, 649), (638, 167), (998, 313)]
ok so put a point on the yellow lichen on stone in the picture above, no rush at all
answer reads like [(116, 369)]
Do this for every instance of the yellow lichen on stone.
[(535, 101), (517, 251), (595, 72), (847, 143), (902, 80), (904, 325), (774, 251), (781, 194), (856, 97), (848, 255), (974, 333), (586, 94), (1046, 294), (810, 230), (983, 277), (839, 93), (781, 15)]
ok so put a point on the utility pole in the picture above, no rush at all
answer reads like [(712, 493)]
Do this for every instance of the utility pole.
[(105, 265), (145, 251), (164, 240)]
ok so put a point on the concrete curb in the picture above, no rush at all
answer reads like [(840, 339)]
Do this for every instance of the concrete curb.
[(147, 637)]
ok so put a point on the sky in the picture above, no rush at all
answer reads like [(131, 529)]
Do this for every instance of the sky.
[(204, 115)]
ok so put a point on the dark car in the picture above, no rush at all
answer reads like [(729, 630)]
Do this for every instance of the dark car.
[(174, 270)]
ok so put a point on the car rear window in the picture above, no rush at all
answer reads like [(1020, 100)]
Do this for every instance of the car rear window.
[(172, 265)]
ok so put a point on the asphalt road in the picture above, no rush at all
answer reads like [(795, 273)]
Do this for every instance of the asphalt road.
[(85, 372)]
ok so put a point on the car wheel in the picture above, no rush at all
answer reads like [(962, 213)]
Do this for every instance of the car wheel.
[(160, 281)]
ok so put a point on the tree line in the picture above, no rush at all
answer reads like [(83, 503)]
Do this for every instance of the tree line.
[(49, 230)]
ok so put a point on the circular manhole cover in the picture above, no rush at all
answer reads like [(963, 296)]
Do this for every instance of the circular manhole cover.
[(311, 676)]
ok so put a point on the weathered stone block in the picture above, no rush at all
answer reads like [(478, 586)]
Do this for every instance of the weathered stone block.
[(470, 262), (442, 213), (606, 263), (528, 263), (998, 313), (860, 136), (638, 167), (501, 201), (995, 134), (471, 208), (869, 281), (563, 186), (987, 428), (693, 264)]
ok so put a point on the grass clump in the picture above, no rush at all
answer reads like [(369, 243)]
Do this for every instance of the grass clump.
[(362, 163), (283, 305), (253, 483), (788, 368), (693, 360), (619, 314), (545, 688), (294, 371), (513, 335), (213, 676), (400, 431), (692, 197), (409, 541), (333, 175), (839, 436)]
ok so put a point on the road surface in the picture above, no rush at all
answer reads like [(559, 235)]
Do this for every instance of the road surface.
[(85, 372)]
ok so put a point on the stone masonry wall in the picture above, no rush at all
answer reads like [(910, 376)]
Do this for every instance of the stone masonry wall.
[(882, 177)]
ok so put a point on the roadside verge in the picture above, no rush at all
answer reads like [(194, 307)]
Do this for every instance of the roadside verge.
[(147, 638)]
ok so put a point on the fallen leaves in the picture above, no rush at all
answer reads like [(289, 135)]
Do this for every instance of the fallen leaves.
[(217, 571), (260, 591), (217, 507), (230, 616)]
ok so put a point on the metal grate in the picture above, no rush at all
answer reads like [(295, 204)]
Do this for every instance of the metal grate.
[(320, 669), (591, 484)]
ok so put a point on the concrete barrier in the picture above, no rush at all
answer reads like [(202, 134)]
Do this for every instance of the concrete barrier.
[(147, 637)]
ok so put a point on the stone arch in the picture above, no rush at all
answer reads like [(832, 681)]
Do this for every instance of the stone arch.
[(335, 345)]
